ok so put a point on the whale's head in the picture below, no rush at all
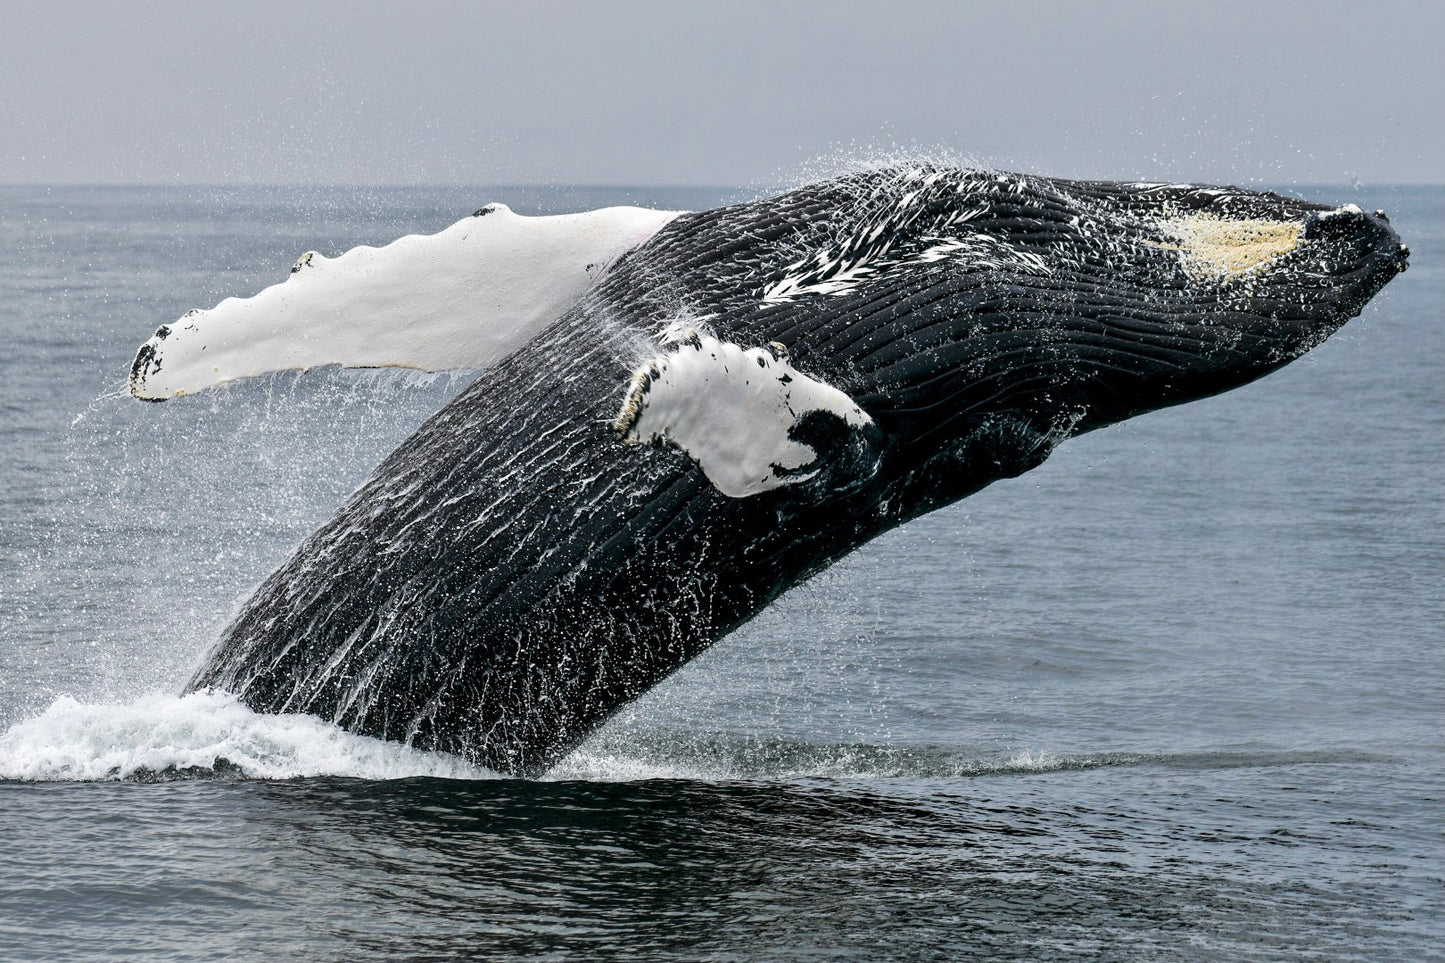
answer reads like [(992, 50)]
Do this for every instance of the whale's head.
[(980, 318), (933, 330)]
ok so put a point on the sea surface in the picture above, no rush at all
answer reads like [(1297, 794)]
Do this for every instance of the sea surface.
[(1177, 694)]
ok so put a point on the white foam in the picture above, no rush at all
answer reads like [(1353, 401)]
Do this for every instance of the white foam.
[(167, 736), (465, 297), (74, 741)]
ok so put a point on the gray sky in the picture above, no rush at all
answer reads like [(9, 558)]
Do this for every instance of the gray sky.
[(722, 93)]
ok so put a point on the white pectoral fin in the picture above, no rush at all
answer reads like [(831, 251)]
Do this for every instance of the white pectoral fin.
[(462, 298), (749, 419)]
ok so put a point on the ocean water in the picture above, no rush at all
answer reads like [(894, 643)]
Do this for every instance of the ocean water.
[(1179, 693)]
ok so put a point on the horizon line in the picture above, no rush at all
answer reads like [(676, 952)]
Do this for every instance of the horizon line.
[(552, 185)]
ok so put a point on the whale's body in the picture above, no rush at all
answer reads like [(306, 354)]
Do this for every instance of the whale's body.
[(746, 396)]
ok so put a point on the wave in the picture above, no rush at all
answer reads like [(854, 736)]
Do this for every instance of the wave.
[(213, 735), (743, 758)]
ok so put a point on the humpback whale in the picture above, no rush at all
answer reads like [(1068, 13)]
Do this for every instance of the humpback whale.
[(683, 415)]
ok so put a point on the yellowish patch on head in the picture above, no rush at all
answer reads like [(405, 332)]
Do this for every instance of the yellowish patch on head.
[(1216, 247)]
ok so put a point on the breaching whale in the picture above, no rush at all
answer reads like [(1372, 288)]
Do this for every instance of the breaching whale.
[(685, 415)]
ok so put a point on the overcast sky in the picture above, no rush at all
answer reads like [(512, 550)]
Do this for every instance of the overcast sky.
[(721, 93)]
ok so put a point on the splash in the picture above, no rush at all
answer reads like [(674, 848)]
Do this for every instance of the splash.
[(213, 735), (202, 735)]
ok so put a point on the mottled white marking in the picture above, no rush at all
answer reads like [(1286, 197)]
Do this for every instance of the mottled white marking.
[(980, 250), (909, 234), (731, 410), (463, 298), (1346, 210)]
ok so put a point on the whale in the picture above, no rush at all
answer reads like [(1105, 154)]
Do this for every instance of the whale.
[(683, 415)]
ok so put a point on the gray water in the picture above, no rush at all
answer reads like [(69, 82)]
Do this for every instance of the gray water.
[(1179, 693)]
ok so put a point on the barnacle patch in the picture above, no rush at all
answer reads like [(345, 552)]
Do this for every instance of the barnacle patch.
[(1216, 248)]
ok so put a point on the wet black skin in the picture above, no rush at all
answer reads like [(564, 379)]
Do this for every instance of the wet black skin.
[(513, 574)]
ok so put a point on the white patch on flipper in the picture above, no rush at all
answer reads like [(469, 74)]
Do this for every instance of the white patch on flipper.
[(462, 298), (731, 409)]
